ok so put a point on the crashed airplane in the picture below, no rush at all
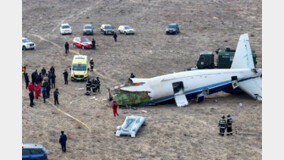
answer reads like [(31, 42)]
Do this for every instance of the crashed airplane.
[(195, 84)]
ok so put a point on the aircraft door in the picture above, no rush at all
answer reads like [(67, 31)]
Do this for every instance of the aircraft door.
[(179, 95)]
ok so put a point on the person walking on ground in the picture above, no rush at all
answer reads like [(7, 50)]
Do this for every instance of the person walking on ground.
[(92, 64), (55, 94), (31, 87), (65, 74), (229, 125), (66, 48), (94, 43), (62, 141), (27, 81), (44, 94), (43, 71), (222, 125), (34, 76), (53, 76), (52, 70), (114, 108), (115, 37), (31, 95)]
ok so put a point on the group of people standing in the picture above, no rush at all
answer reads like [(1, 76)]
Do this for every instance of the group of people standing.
[(42, 83), (226, 124), (93, 85)]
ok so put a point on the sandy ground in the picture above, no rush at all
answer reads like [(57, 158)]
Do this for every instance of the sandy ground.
[(170, 132)]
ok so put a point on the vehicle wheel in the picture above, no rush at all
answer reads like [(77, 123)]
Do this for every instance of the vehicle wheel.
[(83, 47), (74, 45), (104, 33), (24, 48), (32, 48)]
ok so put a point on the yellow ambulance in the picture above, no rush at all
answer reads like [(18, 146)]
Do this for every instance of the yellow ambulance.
[(80, 68)]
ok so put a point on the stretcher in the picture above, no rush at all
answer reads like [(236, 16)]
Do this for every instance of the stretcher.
[(130, 126)]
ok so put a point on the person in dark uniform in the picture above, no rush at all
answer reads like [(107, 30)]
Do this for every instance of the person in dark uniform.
[(88, 86), (98, 83), (55, 94), (27, 81), (222, 125), (65, 74), (92, 64), (93, 85), (229, 125), (66, 48), (43, 71), (132, 75), (115, 37), (34, 76), (48, 90), (94, 43), (52, 70), (31, 95), (53, 76), (62, 141)]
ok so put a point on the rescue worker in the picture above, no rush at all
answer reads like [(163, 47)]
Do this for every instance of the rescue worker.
[(222, 125), (98, 84), (92, 64), (88, 86), (52, 70), (66, 48), (34, 76), (39, 78), (49, 76), (43, 71), (44, 93), (48, 90), (115, 36), (132, 75), (27, 81), (229, 125), (53, 76), (94, 43), (62, 141), (65, 74), (55, 94), (114, 108), (93, 86), (31, 87), (37, 90), (31, 95)]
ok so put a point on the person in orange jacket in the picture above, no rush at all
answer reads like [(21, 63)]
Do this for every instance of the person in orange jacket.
[(114, 108), (37, 90)]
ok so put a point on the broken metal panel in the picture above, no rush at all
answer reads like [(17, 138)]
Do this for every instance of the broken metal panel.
[(181, 99), (130, 126)]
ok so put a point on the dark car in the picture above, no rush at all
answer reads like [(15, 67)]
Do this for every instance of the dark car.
[(33, 151), (172, 29), (88, 29)]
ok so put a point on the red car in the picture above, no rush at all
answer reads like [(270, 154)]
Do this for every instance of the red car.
[(82, 42)]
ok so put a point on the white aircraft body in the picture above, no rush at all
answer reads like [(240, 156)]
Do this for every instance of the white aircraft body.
[(197, 83)]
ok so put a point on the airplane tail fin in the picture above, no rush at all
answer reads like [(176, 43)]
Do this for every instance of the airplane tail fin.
[(243, 56)]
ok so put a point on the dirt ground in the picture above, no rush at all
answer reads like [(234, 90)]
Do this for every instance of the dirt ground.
[(170, 132)]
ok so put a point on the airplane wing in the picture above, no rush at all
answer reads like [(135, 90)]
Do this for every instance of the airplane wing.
[(243, 56), (252, 87)]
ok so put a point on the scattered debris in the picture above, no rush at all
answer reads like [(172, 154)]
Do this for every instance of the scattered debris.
[(78, 89), (93, 97), (143, 111), (240, 104)]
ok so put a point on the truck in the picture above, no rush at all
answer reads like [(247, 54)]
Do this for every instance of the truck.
[(224, 59)]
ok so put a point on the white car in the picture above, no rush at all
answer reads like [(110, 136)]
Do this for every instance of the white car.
[(65, 29), (125, 30), (107, 29), (27, 44)]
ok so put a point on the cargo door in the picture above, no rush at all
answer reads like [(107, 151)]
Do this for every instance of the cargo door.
[(179, 95)]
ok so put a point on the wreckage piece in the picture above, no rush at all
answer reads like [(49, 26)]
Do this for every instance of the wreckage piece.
[(130, 126), (196, 84)]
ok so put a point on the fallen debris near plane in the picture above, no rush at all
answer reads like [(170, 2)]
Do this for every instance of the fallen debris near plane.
[(130, 126), (195, 84)]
